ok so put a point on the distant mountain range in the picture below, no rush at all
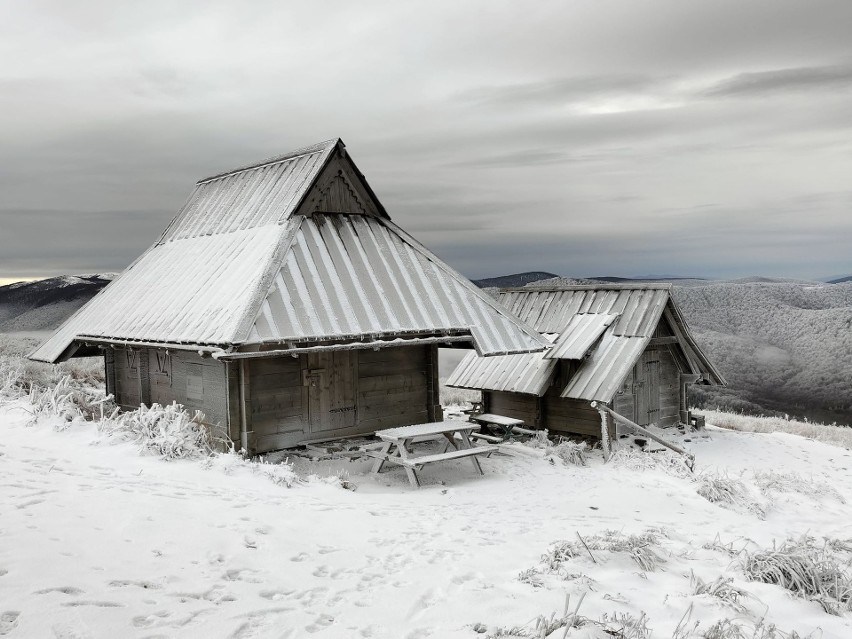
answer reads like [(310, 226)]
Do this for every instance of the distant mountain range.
[(518, 279), (783, 345), (841, 280), (44, 304)]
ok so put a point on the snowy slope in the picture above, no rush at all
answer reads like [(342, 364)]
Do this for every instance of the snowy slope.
[(98, 541), (45, 304)]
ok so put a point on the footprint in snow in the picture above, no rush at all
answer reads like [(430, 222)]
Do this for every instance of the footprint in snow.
[(8, 621), (320, 623), (65, 590), (300, 557)]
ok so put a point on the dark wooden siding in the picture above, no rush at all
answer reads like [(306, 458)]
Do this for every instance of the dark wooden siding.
[(525, 407), (139, 377), (393, 387), (276, 401)]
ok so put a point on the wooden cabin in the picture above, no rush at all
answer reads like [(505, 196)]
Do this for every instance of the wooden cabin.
[(284, 303), (624, 345)]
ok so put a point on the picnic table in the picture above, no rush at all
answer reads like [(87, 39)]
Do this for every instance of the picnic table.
[(506, 425), (397, 447)]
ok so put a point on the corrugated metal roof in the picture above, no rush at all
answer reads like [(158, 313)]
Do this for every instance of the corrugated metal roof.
[(359, 275), (602, 374), (195, 291), (550, 310), (236, 268), (580, 314), (580, 335), (529, 373), (266, 193)]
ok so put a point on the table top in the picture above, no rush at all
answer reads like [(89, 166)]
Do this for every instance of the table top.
[(489, 418), (419, 430)]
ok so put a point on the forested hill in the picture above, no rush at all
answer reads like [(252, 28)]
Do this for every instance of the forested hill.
[(783, 345)]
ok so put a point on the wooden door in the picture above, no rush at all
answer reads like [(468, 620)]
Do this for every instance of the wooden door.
[(331, 391), (646, 389)]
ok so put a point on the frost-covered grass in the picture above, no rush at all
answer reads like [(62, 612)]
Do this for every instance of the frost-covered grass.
[(826, 433), (665, 461), (168, 431), (813, 571), (458, 396), (563, 450), (730, 492), (640, 548)]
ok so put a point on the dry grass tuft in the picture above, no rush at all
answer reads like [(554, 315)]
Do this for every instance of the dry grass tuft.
[(826, 433), (639, 547), (665, 461), (771, 482), (721, 588), (168, 431), (718, 488), (809, 571)]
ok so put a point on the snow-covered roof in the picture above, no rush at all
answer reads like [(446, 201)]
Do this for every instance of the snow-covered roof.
[(605, 328), (294, 249)]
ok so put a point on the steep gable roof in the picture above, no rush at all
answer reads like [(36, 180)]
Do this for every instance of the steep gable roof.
[(578, 314), (293, 249)]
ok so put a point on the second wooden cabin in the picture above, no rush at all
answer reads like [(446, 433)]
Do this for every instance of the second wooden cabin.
[(624, 345)]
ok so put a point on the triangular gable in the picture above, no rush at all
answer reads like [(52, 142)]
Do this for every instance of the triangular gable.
[(580, 335)]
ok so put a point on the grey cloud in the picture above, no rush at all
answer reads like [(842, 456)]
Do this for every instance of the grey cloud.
[(558, 91), (755, 84)]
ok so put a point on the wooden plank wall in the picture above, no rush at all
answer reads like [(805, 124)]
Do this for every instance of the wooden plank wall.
[(393, 387), (138, 379), (276, 401), (670, 389), (516, 405), (666, 385)]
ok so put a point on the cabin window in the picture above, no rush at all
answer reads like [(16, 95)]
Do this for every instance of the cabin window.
[(194, 381), (163, 364)]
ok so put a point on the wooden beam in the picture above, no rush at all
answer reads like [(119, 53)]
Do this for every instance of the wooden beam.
[(418, 341), (601, 408)]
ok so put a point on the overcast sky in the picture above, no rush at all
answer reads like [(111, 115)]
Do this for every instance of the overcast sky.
[(707, 138)]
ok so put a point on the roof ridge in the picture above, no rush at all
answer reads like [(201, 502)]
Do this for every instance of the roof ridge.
[(290, 155), (555, 288)]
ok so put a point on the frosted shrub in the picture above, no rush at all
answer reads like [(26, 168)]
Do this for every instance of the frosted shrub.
[(168, 431), (68, 401), (805, 569), (280, 474), (569, 453), (639, 547), (730, 492), (721, 588), (665, 461)]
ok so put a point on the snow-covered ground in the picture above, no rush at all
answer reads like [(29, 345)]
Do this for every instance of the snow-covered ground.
[(97, 540)]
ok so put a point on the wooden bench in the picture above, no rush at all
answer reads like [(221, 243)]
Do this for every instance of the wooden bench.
[(507, 425), (397, 447)]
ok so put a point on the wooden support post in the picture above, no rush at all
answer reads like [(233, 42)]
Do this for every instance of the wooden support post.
[(621, 419), (605, 440), (433, 386), (246, 432)]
